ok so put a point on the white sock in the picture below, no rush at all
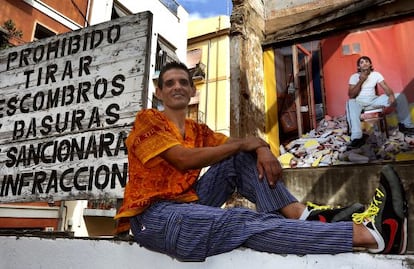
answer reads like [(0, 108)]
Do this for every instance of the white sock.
[(377, 236), (305, 214)]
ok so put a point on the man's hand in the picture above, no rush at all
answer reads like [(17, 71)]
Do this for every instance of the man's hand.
[(391, 99), (364, 74), (389, 92), (268, 165), (355, 89), (252, 143)]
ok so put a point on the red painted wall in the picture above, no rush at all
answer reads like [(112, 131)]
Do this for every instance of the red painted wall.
[(390, 49), (25, 17), (30, 223)]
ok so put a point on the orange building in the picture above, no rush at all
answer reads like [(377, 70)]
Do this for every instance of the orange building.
[(39, 19)]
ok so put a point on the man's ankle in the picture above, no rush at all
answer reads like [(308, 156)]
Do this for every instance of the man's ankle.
[(294, 210)]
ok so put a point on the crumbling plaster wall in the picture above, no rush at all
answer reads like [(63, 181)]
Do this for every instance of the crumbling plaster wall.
[(281, 14), (50, 253), (247, 96)]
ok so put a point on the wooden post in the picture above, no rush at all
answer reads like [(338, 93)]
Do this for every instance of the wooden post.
[(296, 84)]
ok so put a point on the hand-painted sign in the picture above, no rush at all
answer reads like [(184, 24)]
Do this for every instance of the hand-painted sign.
[(66, 105)]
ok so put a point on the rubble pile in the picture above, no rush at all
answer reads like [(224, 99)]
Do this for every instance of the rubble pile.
[(328, 145)]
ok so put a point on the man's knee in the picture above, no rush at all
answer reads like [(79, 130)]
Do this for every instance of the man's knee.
[(353, 106), (401, 97), (246, 158), (350, 104)]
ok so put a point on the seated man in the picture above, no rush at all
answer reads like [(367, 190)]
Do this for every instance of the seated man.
[(171, 210), (362, 94)]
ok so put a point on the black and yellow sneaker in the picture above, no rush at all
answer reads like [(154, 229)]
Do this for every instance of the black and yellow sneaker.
[(386, 217), (332, 214)]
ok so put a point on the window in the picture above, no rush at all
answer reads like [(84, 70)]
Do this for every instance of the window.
[(354, 48), (4, 41), (119, 10), (172, 5), (42, 32), (165, 53), (197, 69), (346, 50)]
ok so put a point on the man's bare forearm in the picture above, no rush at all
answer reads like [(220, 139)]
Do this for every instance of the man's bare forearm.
[(194, 158)]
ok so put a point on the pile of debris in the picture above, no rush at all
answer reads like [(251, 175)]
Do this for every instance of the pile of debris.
[(328, 145)]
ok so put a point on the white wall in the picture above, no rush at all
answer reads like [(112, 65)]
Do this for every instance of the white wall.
[(18, 253), (74, 221), (171, 27), (100, 11)]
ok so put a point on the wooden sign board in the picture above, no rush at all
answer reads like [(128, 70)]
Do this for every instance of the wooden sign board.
[(67, 104)]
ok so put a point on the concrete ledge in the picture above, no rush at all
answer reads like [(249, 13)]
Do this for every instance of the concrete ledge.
[(21, 252), (347, 184)]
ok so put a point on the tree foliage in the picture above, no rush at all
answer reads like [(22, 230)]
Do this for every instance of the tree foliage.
[(11, 32)]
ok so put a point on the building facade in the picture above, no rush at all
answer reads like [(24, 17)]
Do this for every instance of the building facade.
[(209, 60)]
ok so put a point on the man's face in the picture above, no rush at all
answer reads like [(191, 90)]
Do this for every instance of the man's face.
[(177, 90), (364, 65)]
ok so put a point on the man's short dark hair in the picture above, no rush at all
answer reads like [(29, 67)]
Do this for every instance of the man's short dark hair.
[(366, 58), (173, 65)]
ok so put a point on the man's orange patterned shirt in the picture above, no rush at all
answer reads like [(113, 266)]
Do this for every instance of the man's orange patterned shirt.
[(151, 178)]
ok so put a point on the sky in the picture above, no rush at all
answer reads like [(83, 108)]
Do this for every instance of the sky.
[(200, 9)]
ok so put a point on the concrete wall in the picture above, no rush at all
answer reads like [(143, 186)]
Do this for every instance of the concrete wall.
[(17, 253), (247, 109), (346, 184), (327, 185), (164, 21)]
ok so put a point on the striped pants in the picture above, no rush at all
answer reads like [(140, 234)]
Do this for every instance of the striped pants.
[(194, 231)]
